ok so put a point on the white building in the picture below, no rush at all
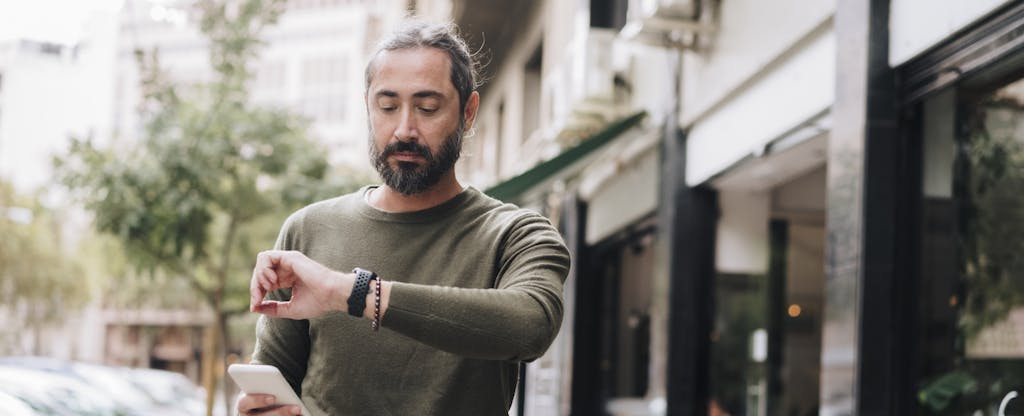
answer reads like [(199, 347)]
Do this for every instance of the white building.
[(312, 63), (53, 85)]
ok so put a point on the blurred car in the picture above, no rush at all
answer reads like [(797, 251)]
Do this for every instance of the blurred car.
[(55, 394), (121, 391), (170, 391), (13, 406)]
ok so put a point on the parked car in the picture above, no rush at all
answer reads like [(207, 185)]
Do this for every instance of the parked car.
[(49, 386), (169, 391), (56, 394), (13, 406)]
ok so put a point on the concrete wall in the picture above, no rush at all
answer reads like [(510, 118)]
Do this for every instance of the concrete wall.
[(742, 239), (916, 25), (628, 196), (751, 35), (770, 68)]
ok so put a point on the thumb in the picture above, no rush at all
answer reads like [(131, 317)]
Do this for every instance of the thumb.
[(273, 308)]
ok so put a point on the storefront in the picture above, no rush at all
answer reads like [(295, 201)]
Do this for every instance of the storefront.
[(963, 112), (864, 259), (922, 296)]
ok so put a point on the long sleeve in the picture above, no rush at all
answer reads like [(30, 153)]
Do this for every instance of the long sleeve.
[(516, 320), (477, 287)]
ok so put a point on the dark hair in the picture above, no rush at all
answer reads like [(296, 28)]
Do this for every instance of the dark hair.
[(443, 36)]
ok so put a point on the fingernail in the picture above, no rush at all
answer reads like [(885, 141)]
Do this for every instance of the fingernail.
[(296, 411), (268, 400)]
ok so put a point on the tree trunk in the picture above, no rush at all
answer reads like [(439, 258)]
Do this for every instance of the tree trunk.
[(225, 342), (209, 358), (221, 315)]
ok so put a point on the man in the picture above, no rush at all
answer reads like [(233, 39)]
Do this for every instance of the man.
[(468, 286)]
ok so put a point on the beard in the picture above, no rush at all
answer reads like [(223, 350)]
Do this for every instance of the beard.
[(410, 178)]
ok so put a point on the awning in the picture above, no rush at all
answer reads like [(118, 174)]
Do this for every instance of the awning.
[(515, 187)]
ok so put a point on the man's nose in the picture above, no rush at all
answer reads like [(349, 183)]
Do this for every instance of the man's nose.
[(406, 129)]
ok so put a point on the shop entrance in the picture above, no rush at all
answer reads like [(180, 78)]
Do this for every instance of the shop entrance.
[(769, 282)]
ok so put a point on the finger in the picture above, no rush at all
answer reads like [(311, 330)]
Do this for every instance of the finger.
[(248, 403), (272, 308), (258, 287), (278, 411), (256, 292), (291, 410), (269, 279), (263, 281), (275, 409)]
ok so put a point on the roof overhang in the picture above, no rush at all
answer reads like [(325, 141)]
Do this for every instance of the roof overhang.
[(564, 165), (491, 27)]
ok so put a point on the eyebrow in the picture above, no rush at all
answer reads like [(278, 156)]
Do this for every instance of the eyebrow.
[(417, 94)]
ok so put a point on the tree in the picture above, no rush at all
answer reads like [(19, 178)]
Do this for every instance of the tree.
[(40, 282), (209, 181)]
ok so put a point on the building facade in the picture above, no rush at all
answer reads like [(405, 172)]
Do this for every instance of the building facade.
[(774, 208), (311, 63)]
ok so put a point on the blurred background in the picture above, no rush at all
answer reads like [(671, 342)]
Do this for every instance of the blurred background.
[(774, 208)]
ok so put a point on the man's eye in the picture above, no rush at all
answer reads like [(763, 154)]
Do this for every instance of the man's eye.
[(428, 110), (388, 109)]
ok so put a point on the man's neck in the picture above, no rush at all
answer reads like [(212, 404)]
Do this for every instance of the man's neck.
[(386, 199)]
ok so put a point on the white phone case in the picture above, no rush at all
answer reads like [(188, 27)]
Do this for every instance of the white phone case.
[(265, 379)]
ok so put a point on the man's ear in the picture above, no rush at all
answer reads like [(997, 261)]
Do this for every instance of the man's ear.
[(472, 105)]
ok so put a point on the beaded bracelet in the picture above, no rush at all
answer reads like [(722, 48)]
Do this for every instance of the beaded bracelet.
[(376, 306)]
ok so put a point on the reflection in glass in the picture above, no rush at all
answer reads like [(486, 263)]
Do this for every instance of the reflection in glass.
[(986, 360)]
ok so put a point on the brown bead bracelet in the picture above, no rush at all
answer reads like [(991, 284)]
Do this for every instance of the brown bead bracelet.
[(376, 305)]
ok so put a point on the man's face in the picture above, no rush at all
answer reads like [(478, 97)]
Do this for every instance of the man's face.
[(415, 123)]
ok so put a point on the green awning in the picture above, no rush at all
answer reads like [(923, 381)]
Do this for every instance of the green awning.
[(516, 186)]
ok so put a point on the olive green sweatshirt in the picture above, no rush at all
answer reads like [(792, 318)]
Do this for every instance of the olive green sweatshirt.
[(477, 288)]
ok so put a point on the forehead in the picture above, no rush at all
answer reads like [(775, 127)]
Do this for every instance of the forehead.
[(417, 69)]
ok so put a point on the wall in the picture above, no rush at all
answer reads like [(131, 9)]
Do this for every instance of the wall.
[(47, 98), (796, 90), (916, 25), (751, 35), (630, 195)]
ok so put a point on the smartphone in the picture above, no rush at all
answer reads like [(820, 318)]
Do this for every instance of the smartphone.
[(265, 379)]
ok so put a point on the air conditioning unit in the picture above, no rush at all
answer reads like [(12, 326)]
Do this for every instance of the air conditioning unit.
[(675, 23), (580, 90), (663, 9)]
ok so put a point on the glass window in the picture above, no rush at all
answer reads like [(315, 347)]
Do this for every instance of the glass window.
[(972, 297), (324, 82), (766, 339)]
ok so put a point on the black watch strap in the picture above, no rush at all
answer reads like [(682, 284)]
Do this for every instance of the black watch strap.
[(357, 300)]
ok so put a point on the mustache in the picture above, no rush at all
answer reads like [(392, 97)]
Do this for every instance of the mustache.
[(406, 147)]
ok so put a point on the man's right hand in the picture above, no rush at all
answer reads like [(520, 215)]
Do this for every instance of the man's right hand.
[(316, 290), (263, 405)]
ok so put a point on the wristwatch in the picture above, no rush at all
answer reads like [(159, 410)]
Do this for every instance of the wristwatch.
[(357, 300)]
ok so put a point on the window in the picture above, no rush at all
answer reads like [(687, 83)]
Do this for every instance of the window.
[(612, 356), (531, 93), (268, 86), (608, 14), (324, 88), (972, 279), (765, 351)]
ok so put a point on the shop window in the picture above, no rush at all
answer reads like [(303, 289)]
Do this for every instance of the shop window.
[(612, 357), (972, 280), (766, 337)]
